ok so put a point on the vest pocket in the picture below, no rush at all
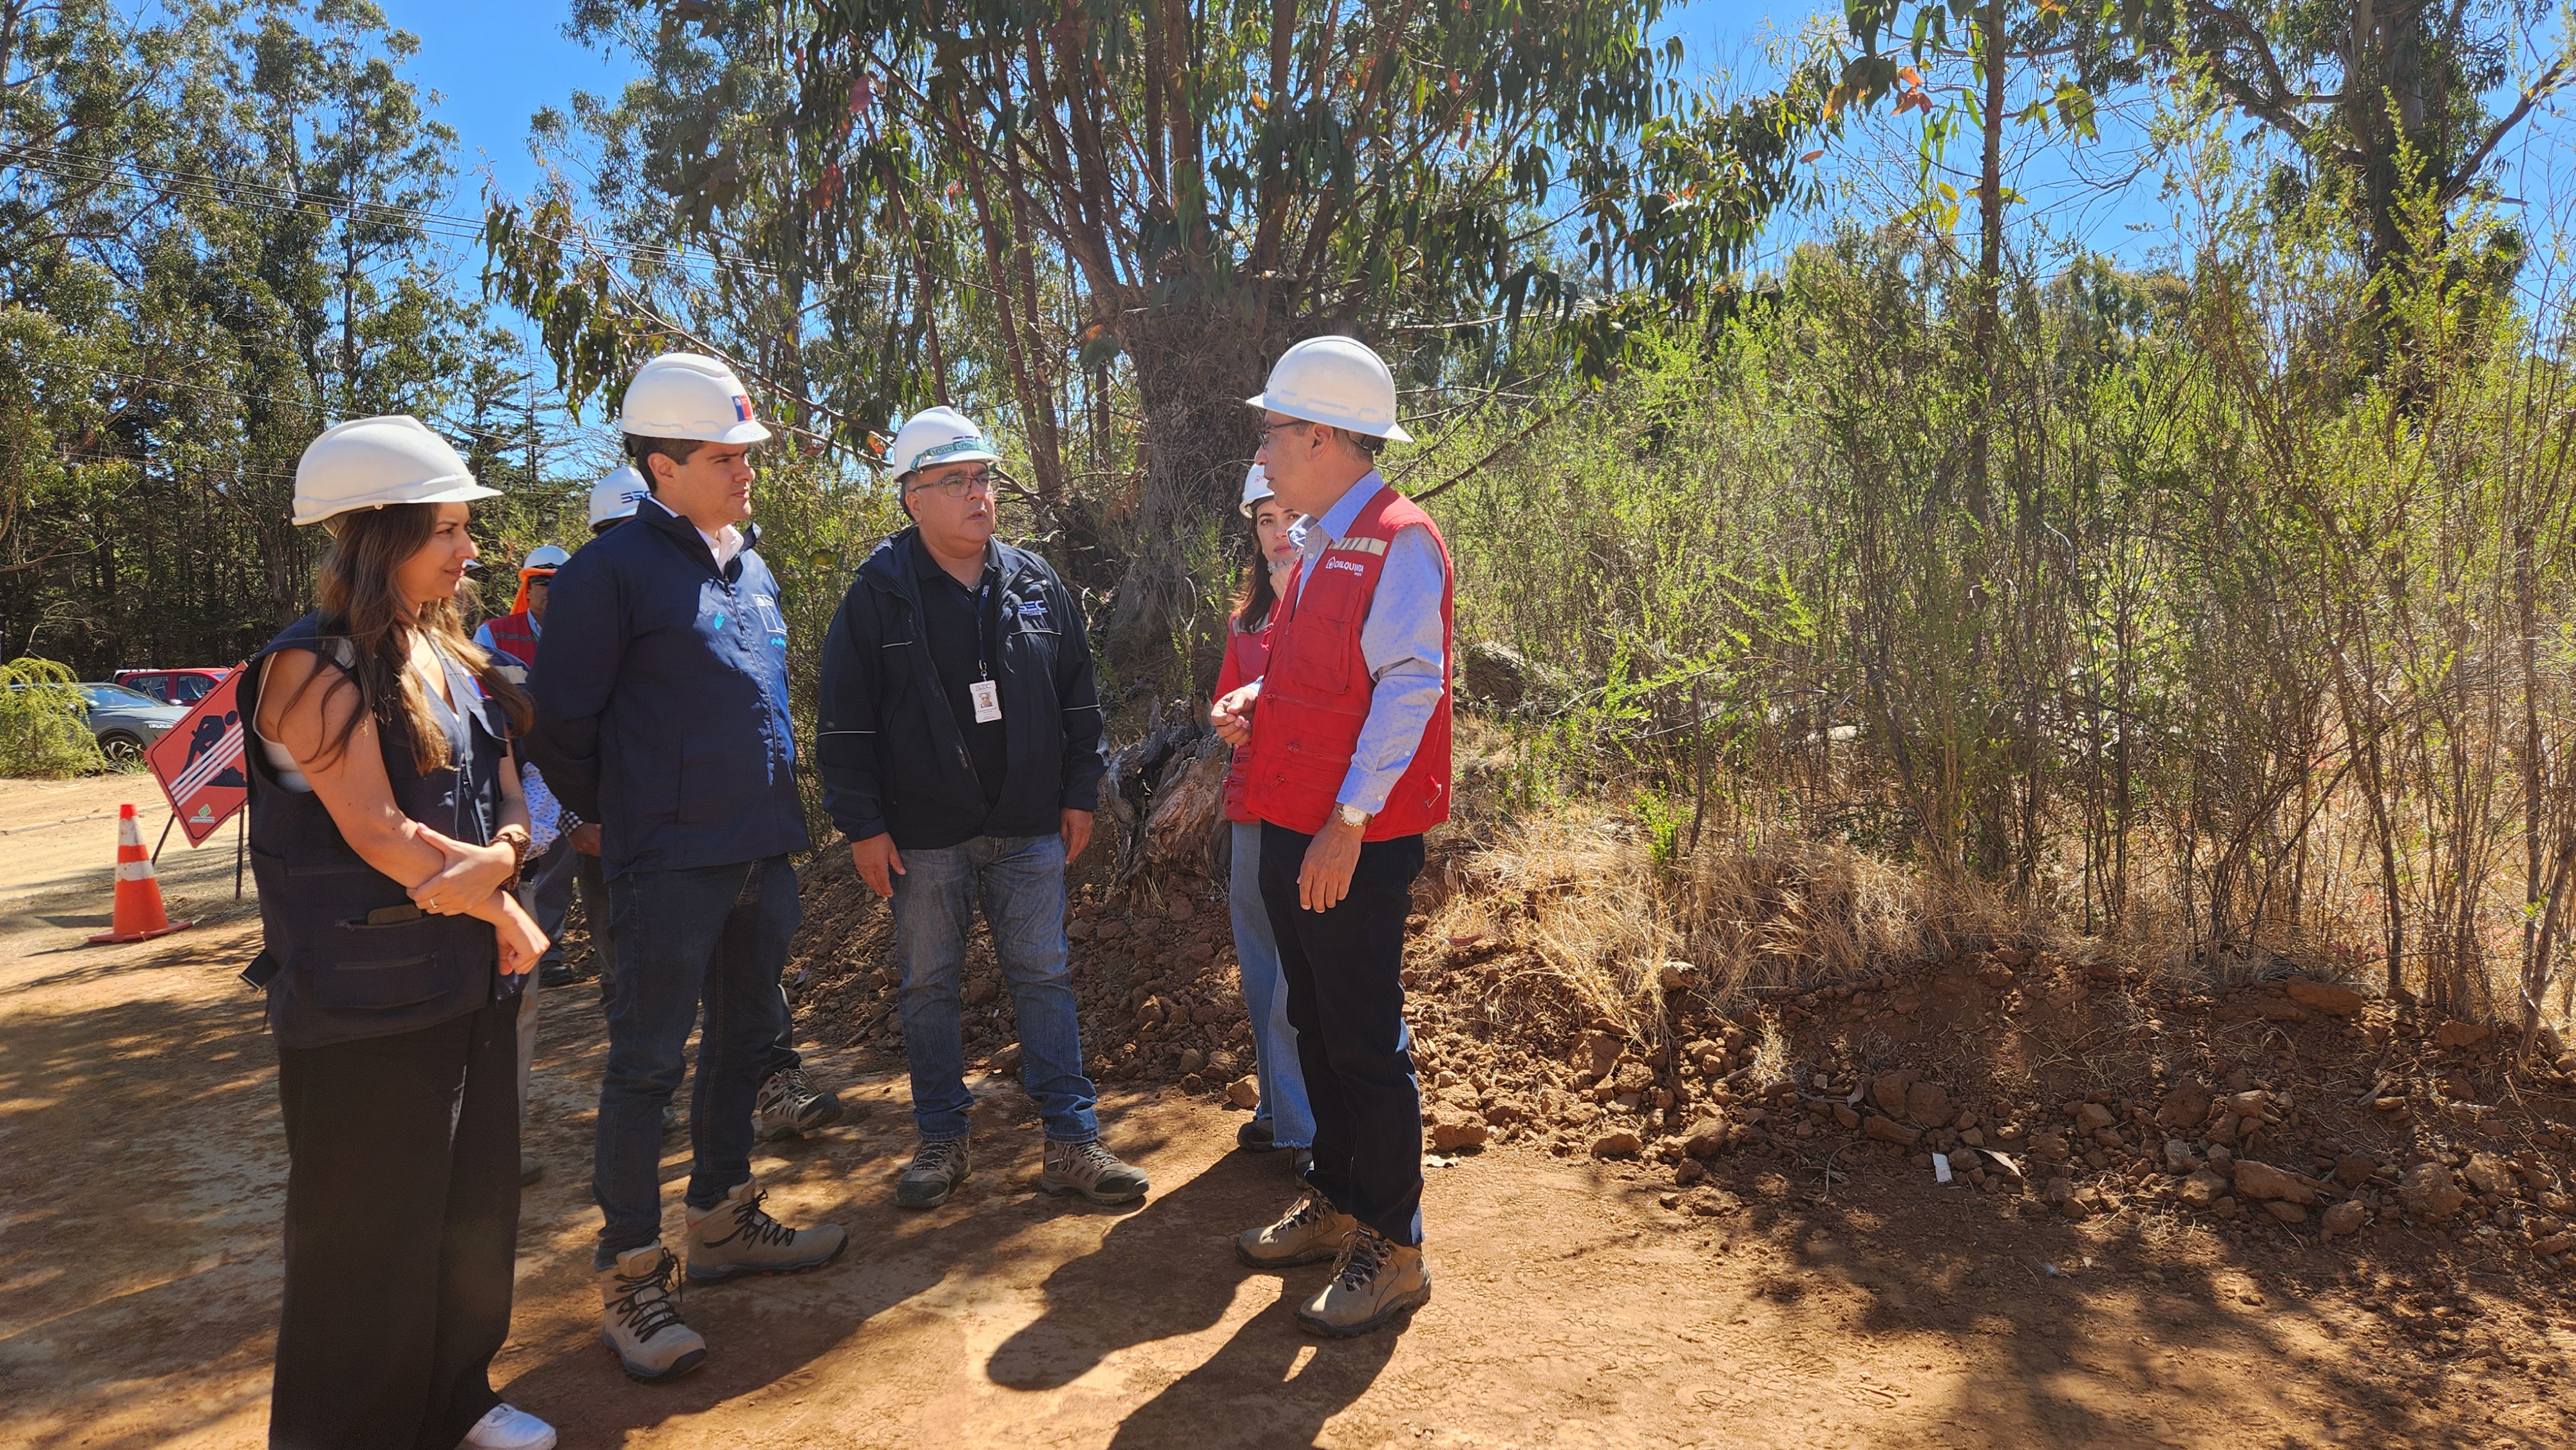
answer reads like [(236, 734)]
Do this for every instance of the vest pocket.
[(379, 984)]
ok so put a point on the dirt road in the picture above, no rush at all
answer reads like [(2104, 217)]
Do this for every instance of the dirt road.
[(141, 1168)]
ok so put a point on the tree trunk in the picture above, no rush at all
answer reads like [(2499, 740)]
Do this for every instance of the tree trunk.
[(1194, 365)]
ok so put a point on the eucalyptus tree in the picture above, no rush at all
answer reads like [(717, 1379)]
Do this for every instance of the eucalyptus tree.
[(1155, 199)]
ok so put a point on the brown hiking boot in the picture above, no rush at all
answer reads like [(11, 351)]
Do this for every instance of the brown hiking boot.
[(736, 1237), (640, 1316), (1092, 1171), (1374, 1281), (1312, 1232)]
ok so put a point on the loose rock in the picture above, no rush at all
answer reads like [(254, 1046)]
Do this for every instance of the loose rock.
[(2267, 1184), (2428, 1191), (1888, 1130), (1244, 1092), (2488, 1174), (2289, 1213), (2202, 1189), (1618, 1143), (2184, 1107), (2461, 1034), (2344, 1218), (2328, 997), (2354, 1169), (1928, 1105)]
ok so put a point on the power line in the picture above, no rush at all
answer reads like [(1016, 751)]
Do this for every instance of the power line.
[(450, 225)]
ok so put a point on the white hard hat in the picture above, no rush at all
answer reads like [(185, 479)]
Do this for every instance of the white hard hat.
[(1337, 381), (615, 497), (1256, 487), (683, 395), (934, 436), (545, 556), (367, 463)]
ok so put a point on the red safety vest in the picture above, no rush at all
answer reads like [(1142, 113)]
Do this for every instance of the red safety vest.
[(1315, 694), (516, 634), (1247, 654)]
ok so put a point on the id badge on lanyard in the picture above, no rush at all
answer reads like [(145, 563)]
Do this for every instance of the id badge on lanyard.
[(986, 692)]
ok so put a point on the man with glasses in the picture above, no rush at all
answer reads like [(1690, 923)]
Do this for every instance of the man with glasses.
[(960, 751)]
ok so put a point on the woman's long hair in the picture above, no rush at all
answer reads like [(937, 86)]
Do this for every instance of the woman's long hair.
[(1257, 596), (359, 604)]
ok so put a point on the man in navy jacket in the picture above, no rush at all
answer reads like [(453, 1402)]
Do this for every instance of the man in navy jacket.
[(959, 745), (664, 719)]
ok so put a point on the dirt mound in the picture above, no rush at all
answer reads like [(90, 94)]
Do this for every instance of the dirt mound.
[(2051, 1086), (1158, 994)]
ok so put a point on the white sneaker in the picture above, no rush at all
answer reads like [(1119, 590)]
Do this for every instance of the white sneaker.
[(506, 1427)]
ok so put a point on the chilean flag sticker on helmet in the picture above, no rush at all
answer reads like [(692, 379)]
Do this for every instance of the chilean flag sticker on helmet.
[(741, 408)]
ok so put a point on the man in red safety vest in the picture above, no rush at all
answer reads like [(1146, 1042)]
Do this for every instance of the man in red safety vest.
[(511, 639), (1346, 741)]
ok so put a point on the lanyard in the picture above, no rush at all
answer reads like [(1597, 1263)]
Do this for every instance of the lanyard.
[(983, 592)]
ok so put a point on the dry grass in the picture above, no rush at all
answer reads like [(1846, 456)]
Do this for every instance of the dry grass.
[(1578, 889)]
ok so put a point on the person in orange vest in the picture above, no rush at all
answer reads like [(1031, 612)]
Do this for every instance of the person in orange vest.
[(511, 639), (1345, 743)]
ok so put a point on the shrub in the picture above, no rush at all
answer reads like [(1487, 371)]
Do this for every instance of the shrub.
[(43, 731)]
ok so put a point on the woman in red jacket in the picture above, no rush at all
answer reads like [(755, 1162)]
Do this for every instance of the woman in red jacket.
[(1283, 1120)]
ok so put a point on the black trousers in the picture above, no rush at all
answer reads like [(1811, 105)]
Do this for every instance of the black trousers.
[(402, 1225), (1347, 1003)]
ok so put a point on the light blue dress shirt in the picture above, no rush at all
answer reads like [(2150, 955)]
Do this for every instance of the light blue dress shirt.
[(1400, 641)]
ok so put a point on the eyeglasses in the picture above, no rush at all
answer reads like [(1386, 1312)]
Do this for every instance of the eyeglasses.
[(983, 481), (1269, 428)]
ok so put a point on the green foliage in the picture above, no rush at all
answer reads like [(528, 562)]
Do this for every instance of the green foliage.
[(44, 733), (216, 239), (2231, 653)]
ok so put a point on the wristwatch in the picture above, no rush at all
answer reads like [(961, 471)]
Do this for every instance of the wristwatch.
[(1352, 815)]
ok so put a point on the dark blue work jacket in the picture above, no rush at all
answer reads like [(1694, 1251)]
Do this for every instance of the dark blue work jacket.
[(330, 973), (664, 711)]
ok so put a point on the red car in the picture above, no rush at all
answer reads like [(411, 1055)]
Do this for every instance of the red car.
[(172, 687)]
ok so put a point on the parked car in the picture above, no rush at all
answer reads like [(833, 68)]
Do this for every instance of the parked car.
[(126, 721), (173, 687)]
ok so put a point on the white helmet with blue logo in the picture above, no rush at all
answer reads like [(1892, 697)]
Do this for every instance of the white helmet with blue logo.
[(614, 498), (935, 436)]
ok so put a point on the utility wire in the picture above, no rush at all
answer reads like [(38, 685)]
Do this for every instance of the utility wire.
[(451, 225)]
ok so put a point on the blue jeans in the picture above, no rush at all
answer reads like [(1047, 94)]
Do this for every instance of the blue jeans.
[(717, 935), (1020, 882), (1265, 999)]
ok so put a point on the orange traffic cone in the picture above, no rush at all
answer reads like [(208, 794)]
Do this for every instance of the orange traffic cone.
[(139, 916)]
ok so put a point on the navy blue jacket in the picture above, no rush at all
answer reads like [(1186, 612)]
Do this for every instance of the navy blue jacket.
[(664, 715), (887, 745)]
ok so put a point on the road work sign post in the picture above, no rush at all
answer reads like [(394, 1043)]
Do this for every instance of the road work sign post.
[(199, 762)]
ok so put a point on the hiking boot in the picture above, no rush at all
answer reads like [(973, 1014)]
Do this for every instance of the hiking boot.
[(790, 1106), (1375, 1280), (670, 1116), (507, 1427), (1092, 1171), (1312, 1232), (936, 1171), (737, 1237), (1254, 1137), (640, 1316), (554, 974)]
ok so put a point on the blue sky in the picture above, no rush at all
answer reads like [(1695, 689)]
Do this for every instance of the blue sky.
[(493, 64)]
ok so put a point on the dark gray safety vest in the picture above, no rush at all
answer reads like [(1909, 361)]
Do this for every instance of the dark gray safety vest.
[(346, 955)]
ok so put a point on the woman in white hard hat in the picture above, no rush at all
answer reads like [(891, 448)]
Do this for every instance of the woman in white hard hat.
[(1283, 1119), (386, 829)]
